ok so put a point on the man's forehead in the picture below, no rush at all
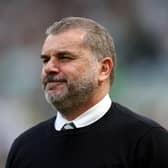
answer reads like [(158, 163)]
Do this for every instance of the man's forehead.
[(70, 35), (64, 40)]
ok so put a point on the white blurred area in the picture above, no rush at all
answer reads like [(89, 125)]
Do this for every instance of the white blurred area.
[(140, 31)]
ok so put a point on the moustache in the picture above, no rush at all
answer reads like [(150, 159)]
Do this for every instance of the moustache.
[(53, 78)]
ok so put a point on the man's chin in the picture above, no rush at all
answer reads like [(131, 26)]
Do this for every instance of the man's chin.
[(54, 98)]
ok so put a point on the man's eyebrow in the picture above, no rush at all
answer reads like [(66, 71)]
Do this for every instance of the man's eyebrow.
[(64, 52), (69, 53), (59, 54), (43, 56)]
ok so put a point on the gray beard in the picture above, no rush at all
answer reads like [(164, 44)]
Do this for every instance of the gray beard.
[(76, 94)]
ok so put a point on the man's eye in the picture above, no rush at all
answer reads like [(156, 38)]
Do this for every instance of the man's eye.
[(45, 60), (65, 57)]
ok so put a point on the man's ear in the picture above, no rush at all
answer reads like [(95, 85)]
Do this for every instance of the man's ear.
[(106, 66)]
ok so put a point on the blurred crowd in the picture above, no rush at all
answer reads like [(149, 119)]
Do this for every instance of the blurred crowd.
[(139, 29)]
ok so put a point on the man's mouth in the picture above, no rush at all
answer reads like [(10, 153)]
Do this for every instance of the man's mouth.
[(52, 82), (54, 85)]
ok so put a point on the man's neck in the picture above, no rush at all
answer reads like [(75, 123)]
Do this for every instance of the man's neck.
[(88, 117), (77, 111)]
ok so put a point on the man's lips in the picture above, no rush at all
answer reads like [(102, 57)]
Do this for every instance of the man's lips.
[(52, 81), (54, 85)]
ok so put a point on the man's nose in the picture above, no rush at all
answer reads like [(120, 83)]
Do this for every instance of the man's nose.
[(52, 66)]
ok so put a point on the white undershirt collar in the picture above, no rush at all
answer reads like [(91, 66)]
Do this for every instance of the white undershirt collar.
[(90, 116)]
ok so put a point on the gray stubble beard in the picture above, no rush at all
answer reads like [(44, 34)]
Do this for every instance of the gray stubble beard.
[(77, 93)]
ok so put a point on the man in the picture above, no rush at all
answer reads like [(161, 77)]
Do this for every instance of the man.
[(89, 130)]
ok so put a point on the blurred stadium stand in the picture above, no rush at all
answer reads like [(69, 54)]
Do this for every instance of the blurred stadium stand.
[(140, 31)]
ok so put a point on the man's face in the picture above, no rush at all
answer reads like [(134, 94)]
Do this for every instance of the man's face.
[(69, 73)]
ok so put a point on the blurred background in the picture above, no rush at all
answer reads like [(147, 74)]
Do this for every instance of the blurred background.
[(140, 31)]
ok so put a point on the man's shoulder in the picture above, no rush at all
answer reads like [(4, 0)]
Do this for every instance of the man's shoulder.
[(127, 117), (37, 130), (128, 126), (31, 140)]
